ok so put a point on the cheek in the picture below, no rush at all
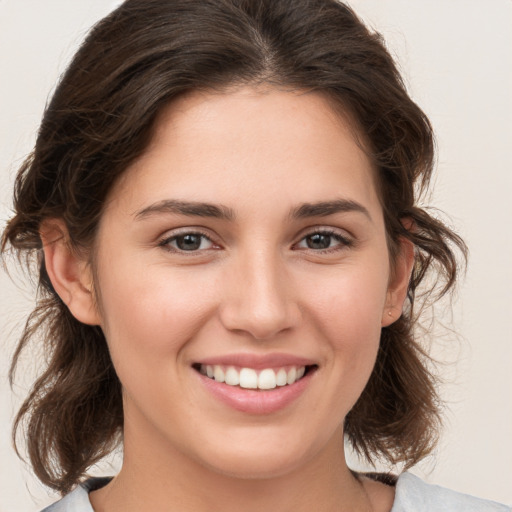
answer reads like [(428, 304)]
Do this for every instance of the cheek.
[(351, 303), (149, 319), (152, 314), (347, 313)]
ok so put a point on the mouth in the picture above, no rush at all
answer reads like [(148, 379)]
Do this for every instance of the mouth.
[(257, 384), (264, 379)]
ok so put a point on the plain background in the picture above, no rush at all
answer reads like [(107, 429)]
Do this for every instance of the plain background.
[(456, 57)]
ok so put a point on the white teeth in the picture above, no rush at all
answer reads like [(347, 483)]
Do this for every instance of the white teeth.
[(218, 373), (292, 375), (249, 378), (232, 377), (281, 377), (267, 379)]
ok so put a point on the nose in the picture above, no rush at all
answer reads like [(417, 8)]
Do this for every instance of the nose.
[(259, 298)]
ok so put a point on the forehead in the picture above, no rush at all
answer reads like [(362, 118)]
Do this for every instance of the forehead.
[(269, 144)]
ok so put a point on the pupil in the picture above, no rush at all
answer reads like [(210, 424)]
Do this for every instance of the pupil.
[(319, 241), (188, 242)]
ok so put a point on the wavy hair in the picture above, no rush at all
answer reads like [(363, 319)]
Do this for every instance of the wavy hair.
[(135, 61)]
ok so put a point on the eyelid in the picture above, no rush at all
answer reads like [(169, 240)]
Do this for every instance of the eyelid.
[(165, 239), (346, 240)]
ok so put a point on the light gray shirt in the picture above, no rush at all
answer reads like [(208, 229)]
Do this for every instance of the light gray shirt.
[(412, 495)]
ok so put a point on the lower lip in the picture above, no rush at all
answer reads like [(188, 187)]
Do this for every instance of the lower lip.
[(253, 401)]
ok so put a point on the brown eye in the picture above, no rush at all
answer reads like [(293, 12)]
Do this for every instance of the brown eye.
[(318, 241), (325, 241), (187, 242)]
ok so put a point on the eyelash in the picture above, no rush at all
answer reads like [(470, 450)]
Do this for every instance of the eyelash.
[(344, 242), (165, 243)]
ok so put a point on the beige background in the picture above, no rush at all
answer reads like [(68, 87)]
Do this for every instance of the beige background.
[(456, 56)]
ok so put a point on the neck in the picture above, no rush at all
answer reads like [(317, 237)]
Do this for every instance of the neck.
[(177, 482)]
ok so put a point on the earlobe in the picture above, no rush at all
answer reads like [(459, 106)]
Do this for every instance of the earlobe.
[(69, 273), (399, 282)]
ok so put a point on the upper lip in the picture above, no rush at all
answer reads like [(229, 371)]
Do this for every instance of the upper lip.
[(257, 361)]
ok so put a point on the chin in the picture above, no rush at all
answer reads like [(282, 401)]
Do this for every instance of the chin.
[(255, 466), (259, 456)]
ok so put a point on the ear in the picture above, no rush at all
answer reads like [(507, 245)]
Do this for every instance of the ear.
[(399, 282), (69, 273)]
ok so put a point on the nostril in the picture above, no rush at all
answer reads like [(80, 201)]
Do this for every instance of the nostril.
[(258, 312)]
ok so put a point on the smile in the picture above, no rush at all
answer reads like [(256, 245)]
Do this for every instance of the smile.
[(249, 378)]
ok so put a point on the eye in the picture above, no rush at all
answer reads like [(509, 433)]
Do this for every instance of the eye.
[(187, 242), (324, 241)]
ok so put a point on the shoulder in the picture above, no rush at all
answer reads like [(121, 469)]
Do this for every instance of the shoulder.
[(415, 495), (78, 499)]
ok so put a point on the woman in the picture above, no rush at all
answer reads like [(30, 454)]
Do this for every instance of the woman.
[(222, 199)]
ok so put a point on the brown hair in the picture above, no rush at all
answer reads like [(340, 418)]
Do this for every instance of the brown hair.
[(138, 59)]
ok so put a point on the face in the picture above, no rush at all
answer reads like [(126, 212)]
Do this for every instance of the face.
[(244, 277)]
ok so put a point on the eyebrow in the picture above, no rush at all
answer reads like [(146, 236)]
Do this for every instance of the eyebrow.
[(193, 208), (199, 209), (325, 208)]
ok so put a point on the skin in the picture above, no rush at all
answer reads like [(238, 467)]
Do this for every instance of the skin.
[(255, 285)]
